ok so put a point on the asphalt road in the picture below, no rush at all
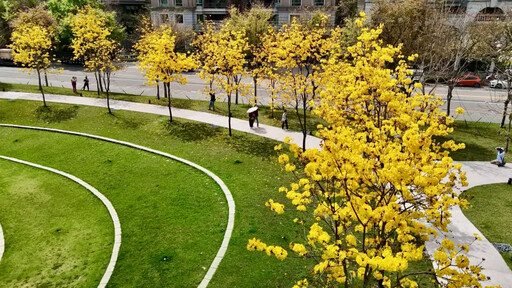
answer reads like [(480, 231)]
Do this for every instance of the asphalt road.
[(481, 104)]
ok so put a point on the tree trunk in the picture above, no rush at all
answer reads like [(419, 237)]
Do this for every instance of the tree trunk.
[(97, 82), (505, 107), (106, 79), (304, 130), (236, 98), (46, 78), (157, 90), (101, 84), (41, 87), (229, 110), (165, 90), (255, 89), (449, 97), (502, 125), (169, 99), (508, 134)]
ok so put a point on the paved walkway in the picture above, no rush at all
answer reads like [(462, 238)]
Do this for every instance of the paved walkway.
[(229, 197), (462, 230), (103, 199), (267, 131)]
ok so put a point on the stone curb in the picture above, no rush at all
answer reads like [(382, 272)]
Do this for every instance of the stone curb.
[(2, 243), (106, 202), (229, 198)]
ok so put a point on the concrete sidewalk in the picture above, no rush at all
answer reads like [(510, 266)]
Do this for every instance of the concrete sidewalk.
[(461, 229), (266, 131)]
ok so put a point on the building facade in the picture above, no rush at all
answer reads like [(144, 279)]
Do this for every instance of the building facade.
[(470, 10), (191, 13)]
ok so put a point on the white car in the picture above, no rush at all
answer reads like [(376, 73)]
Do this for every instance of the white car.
[(499, 84)]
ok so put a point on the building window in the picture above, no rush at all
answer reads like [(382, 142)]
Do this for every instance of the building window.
[(179, 2), (164, 3), (164, 18), (199, 2), (179, 18), (200, 19), (295, 18), (277, 3), (296, 2), (319, 2)]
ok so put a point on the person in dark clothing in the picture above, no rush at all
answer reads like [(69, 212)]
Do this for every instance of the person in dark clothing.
[(212, 101), (251, 119), (256, 118), (73, 83), (284, 120), (86, 83)]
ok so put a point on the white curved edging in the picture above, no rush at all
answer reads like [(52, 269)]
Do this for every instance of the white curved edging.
[(2, 243), (106, 202), (225, 190)]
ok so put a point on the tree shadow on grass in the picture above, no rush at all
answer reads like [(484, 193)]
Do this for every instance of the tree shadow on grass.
[(257, 146), (55, 115), (191, 131), (125, 121)]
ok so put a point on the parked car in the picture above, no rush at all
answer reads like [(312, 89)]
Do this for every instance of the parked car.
[(468, 80), (499, 84)]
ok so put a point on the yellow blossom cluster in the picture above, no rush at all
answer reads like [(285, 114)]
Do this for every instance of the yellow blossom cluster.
[(382, 183)]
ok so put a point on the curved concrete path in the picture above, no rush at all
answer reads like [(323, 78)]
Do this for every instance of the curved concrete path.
[(2, 243), (266, 131), (229, 198), (461, 230), (104, 200)]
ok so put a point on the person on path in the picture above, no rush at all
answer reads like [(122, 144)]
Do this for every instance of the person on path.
[(500, 157), (256, 118), (251, 119), (86, 83), (284, 120), (212, 101), (73, 83)]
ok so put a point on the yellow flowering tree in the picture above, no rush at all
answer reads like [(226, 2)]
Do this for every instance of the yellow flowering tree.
[(32, 47), (381, 185), (93, 44), (263, 67), (222, 56), (159, 60), (296, 51)]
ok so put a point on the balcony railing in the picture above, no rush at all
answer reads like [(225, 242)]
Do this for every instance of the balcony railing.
[(214, 4)]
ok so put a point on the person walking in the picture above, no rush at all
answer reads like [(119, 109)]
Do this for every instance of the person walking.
[(86, 83), (73, 83), (251, 119), (257, 118), (284, 120), (212, 101)]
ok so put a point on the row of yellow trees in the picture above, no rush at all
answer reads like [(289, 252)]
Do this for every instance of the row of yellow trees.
[(33, 44), (245, 45)]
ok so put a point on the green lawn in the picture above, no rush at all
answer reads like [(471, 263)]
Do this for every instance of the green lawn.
[(154, 221), (221, 108), (57, 233), (480, 140), (494, 223)]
